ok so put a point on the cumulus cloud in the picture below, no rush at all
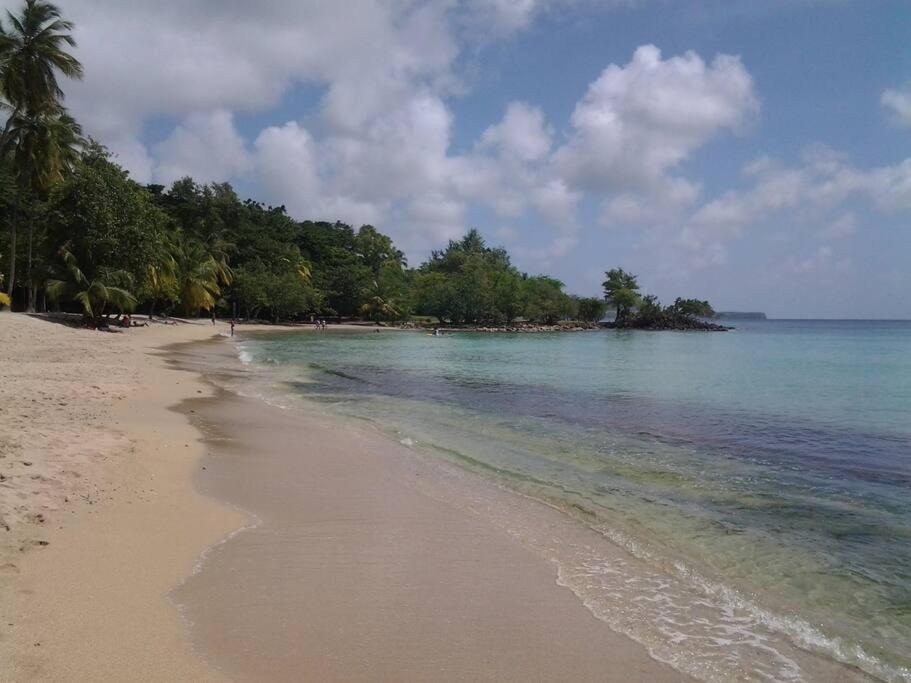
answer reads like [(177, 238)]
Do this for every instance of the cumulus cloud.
[(813, 193), (522, 134), (205, 146), (638, 122), (898, 103)]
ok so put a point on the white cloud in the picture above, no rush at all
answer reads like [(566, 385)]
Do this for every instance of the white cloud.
[(557, 203), (898, 102), (205, 146), (286, 165), (813, 193), (638, 122), (523, 133)]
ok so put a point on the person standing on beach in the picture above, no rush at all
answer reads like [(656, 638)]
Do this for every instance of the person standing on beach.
[(232, 327)]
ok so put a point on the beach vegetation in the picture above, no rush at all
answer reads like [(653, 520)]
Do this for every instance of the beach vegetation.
[(98, 295), (621, 290), (39, 137), (637, 311), (590, 309)]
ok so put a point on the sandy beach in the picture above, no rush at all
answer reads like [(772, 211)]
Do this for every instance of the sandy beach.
[(356, 561)]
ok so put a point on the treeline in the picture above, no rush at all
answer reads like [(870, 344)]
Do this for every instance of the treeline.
[(103, 244)]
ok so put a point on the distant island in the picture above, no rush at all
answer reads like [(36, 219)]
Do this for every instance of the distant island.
[(638, 312)]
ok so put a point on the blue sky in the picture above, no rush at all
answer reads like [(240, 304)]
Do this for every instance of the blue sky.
[(580, 134)]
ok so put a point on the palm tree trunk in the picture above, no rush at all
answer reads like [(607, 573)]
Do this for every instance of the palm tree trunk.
[(32, 289), (12, 260)]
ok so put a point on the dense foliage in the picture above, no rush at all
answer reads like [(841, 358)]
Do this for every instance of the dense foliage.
[(621, 290)]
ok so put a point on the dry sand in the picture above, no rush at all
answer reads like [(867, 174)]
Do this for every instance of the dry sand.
[(102, 521), (102, 516)]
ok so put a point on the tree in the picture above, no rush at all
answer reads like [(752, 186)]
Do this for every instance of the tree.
[(546, 302), (693, 307), (42, 148), (434, 295), (93, 294), (590, 309), (383, 296), (650, 313), (109, 221), (197, 273), (33, 50), (621, 291)]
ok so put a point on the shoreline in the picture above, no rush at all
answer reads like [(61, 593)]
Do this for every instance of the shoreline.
[(91, 588), (360, 536), (84, 596), (99, 517)]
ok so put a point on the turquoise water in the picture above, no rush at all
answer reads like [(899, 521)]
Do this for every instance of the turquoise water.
[(759, 479)]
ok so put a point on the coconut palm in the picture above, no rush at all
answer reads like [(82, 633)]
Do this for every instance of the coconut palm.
[(33, 50), (379, 301), (199, 275), (160, 283), (96, 295), (42, 147)]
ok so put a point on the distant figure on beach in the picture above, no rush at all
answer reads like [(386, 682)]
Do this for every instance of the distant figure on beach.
[(232, 327), (213, 315), (125, 320)]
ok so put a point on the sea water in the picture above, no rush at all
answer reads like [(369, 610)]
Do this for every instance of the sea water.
[(755, 484)]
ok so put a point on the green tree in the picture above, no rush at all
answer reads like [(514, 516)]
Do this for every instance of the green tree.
[(109, 221), (33, 50), (384, 297), (621, 290), (693, 307), (546, 302), (590, 309), (95, 294), (42, 149), (198, 275)]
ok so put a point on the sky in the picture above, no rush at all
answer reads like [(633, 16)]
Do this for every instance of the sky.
[(756, 153)]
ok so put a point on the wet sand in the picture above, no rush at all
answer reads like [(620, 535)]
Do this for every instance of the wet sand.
[(364, 565)]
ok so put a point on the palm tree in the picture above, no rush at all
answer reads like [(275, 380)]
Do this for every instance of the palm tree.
[(42, 148), (199, 275), (95, 295), (379, 301), (161, 282), (33, 50)]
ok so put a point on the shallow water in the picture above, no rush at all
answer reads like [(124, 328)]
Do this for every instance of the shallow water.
[(757, 479)]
